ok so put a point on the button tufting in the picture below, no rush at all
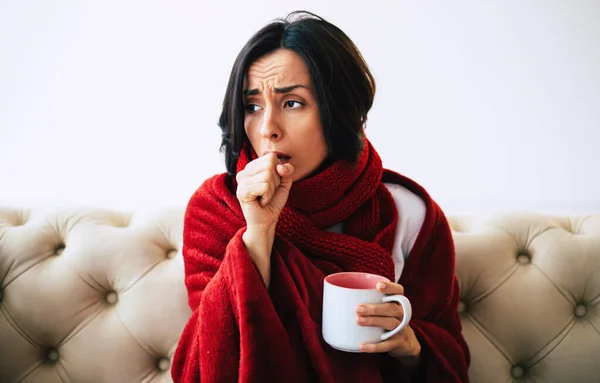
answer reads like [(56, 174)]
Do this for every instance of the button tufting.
[(20, 221), (171, 253), (462, 307), (163, 364), (123, 224), (58, 250), (580, 310), (523, 258), (517, 372), (111, 297), (52, 355)]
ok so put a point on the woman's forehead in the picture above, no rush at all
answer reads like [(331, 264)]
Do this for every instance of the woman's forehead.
[(280, 68)]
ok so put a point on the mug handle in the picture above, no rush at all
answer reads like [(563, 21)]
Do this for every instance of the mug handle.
[(405, 303)]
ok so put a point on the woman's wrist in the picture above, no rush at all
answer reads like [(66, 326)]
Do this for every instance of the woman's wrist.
[(259, 244), (260, 232), (411, 356)]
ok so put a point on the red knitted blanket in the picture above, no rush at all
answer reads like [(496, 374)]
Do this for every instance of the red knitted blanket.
[(242, 331)]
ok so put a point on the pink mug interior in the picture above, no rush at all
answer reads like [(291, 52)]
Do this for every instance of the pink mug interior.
[(355, 280)]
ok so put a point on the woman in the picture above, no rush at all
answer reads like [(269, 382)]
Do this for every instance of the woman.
[(305, 195)]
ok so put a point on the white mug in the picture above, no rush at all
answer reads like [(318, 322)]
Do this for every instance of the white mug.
[(342, 293)]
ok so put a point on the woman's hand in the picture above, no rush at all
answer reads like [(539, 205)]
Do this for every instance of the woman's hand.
[(403, 345), (263, 190)]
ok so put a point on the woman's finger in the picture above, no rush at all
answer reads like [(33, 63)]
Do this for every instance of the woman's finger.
[(248, 192), (394, 343), (266, 162), (390, 288), (386, 323), (270, 177), (390, 309)]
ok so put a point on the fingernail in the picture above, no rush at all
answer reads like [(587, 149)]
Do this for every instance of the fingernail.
[(363, 347), (360, 309), (361, 319), (380, 285)]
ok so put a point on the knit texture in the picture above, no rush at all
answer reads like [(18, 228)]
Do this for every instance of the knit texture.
[(341, 193), (242, 331)]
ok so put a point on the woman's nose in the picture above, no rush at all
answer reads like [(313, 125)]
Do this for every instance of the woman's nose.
[(270, 128)]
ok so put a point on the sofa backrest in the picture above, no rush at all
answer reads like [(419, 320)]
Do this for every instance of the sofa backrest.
[(530, 288), (97, 294), (90, 295)]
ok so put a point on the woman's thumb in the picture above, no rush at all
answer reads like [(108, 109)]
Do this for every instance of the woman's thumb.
[(285, 171)]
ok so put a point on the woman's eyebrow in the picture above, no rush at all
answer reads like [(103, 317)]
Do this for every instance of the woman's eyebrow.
[(287, 89)]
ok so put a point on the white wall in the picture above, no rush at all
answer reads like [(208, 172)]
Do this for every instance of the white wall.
[(490, 105)]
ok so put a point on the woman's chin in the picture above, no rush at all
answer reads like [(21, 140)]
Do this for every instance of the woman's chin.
[(297, 177), (300, 175)]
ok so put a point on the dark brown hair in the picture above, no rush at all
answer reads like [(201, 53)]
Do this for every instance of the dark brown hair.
[(344, 87)]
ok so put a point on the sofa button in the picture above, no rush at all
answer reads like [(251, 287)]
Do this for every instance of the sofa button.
[(52, 356), (523, 258), (163, 364), (58, 249), (111, 298), (462, 307), (517, 372), (580, 310), (172, 253)]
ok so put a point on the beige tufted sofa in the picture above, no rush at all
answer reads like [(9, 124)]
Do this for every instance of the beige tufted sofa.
[(98, 296)]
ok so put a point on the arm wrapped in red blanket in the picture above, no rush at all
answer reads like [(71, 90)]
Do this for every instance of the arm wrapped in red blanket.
[(228, 299), (430, 283)]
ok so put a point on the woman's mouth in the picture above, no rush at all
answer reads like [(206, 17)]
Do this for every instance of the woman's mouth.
[(283, 158)]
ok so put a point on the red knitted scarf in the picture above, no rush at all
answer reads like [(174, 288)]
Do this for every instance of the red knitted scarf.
[(242, 331), (352, 194)]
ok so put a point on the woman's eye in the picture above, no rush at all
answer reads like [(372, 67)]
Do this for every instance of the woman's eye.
[(251, 108), (293, 104)]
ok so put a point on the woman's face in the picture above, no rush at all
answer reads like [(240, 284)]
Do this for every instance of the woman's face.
[(281, 112)]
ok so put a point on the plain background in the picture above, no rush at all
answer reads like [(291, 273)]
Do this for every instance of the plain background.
[(490, 105)]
